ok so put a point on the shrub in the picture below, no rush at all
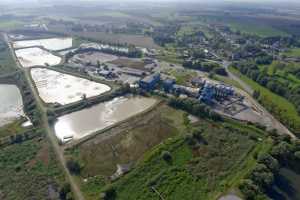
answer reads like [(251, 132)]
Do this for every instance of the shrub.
[(166, 156), (74, 167)]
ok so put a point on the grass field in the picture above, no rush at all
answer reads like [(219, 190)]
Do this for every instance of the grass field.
[(295, 52), (279, 106), (262, 30), (12, 128), (217, 164), (182, 77), (10, 24), (29, 170), (227, 80)]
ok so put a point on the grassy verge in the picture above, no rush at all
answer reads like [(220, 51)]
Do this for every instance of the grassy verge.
[(284, 110), (12, 128), (7, 64), (227, 81)]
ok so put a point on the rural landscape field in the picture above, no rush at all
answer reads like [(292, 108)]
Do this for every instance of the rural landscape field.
[(149, 100)]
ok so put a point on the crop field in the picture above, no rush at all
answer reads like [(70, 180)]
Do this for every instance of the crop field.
[(279, 106), (261, 27), (29, 170), (223, 156), (137, 40)]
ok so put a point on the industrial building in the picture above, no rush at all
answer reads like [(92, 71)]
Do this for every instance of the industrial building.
[(211, 92), (149, 82)]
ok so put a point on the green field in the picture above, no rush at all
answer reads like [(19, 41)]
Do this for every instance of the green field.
[(29, 170), (279, 106), (219, 161), (12, 128), (262, 30), (227, 81), (10, 24), (295, 52)]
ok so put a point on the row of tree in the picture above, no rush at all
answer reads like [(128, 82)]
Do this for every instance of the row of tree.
[(194, 107), (272, 82), (205, 67)]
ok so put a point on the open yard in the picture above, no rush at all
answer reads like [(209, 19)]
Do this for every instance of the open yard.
[(131, 63)]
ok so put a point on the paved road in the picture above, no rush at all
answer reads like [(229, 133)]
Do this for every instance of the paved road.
[(274, 122), (50, 132)]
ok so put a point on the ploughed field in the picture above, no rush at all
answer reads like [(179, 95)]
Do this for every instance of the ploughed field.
[(56, 87)]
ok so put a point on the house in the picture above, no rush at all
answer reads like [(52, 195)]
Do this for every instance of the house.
[(149, 82)]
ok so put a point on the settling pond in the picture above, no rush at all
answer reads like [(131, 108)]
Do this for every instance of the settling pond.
[(35, 56), (82, 123), (53, 44), (56, 87), (11, 104)]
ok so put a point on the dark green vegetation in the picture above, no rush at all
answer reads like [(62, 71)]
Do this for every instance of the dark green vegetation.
[(272, 173), (277, 88), (206, 67), (7, 64), (29, 170)]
